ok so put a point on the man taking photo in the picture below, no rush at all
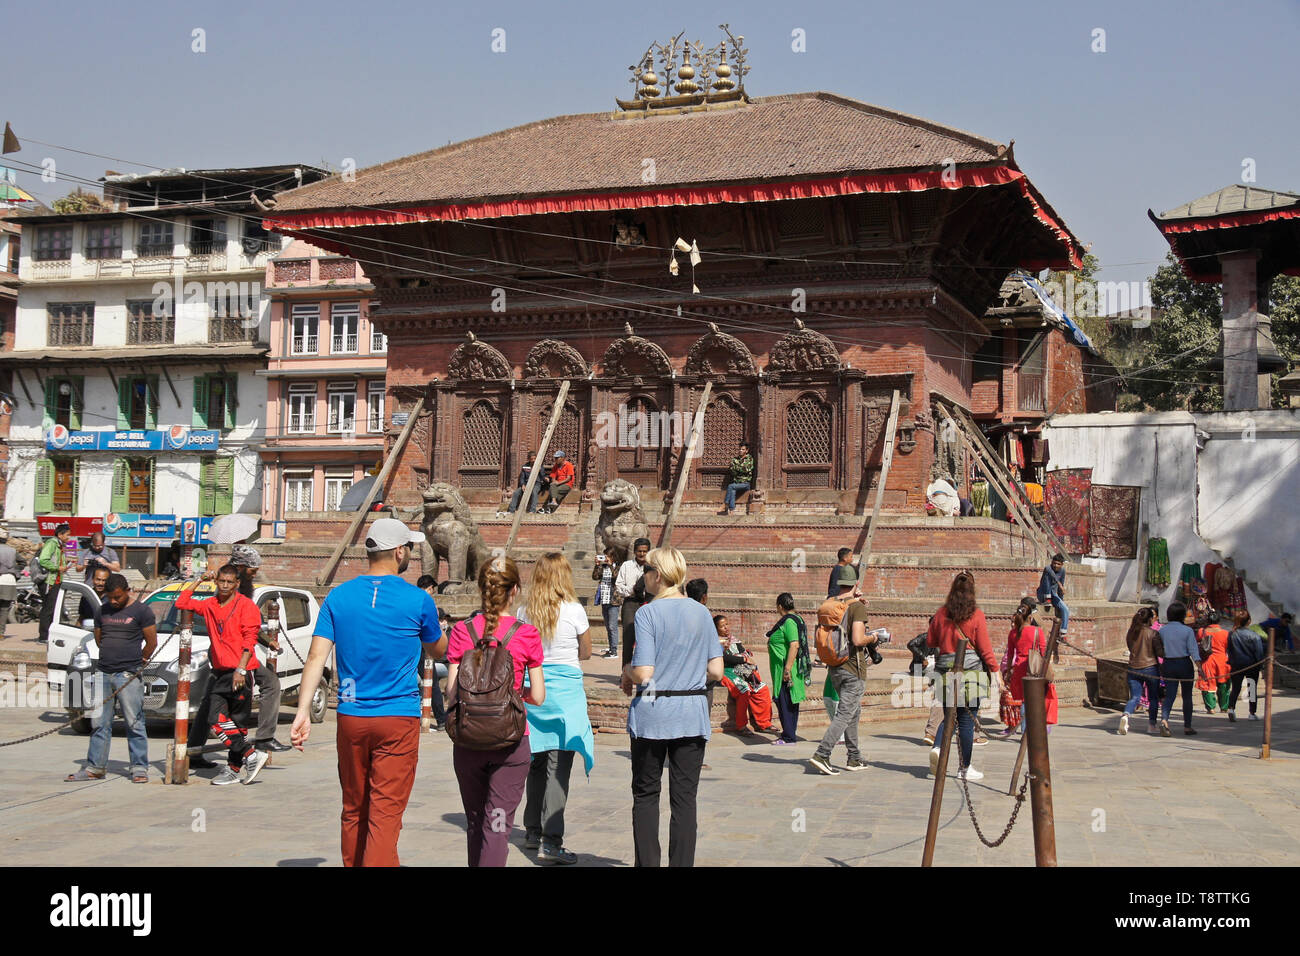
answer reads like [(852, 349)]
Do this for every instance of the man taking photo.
[(379, 625), (99, 555), (126, 632)]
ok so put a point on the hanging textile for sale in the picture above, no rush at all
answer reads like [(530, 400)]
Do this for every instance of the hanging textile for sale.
[(1235, 596), (1019, 447), (1158, 563), (979, 497), (1189, 575)]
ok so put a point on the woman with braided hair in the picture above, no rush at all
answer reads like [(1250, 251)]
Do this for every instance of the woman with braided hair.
[(491, 778)]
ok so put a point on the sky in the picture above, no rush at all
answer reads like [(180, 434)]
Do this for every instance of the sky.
[(1162, 106)]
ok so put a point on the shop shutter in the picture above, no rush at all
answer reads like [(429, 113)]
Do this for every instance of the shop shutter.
[(152, 501), (121, 500), (224, 482), (207, 496), (200, 415), (78, 402), (44, 486), (51, 396)]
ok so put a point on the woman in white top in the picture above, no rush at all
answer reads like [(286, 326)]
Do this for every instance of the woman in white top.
[(559, 728)]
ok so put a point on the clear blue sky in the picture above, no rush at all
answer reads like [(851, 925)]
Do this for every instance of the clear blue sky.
[(1184, 92)]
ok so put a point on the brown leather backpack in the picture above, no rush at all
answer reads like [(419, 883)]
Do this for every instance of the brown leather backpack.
[(487, 712)]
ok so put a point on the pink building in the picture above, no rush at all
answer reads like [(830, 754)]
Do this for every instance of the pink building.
[(325, 383)]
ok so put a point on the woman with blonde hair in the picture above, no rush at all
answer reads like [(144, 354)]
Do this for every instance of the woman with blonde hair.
[(490, 751), (676, 655), (560, 727)]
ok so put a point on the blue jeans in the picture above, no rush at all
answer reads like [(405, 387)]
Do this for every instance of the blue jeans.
[(733, 489), (131, 701), (965, 733), (1148, 677), (532, 499), (1062, 611), (611, 614)]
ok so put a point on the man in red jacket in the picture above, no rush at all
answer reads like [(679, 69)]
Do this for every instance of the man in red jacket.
[(233, 622), (560, 483)]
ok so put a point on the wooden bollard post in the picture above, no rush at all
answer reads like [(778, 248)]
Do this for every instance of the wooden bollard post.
[(180, 770), (949, 729), (426, 695), (1265, 752), (1052, 647), (1040, 771)]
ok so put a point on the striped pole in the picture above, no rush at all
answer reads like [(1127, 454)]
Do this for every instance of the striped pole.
[(180, 758), (426, 696)]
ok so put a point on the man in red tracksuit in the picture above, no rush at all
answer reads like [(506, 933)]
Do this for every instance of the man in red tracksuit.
[(560, 483), (233, 622)]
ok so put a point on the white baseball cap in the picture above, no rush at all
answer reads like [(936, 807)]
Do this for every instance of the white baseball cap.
[(389, 533)]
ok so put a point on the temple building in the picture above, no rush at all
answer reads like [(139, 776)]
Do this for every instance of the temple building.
[(806, 253)]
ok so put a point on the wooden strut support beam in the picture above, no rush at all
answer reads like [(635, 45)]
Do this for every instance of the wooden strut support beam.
[(1040, 770), (1265, 752), (688, 457), (1044, 527), (886, 459), (956, 681), (991, 476), (1024, 737), (536, 470), (375, 489)]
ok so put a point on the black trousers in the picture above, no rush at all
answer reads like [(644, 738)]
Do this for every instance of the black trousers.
[(1178, 672), (1237, 681), (48, 595), (231, 712), (685, 757)]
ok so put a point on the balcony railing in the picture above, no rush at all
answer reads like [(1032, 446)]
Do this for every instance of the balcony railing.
[(304, 345), (301, 424), (71, 332), (1029, 391), (343, 343), (151, 331), (205, 247), (51, 269), (232, 328)]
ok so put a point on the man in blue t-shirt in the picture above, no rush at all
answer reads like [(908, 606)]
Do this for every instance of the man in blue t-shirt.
[(379, 625)]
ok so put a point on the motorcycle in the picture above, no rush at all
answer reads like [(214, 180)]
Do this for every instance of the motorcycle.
[(28, 604)]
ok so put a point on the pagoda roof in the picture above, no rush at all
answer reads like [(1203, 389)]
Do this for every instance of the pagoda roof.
[(1233, 219)]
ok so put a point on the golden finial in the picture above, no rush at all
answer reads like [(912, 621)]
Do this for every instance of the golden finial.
[(471, 336), (798, 324), (627, 329), (713, 327)]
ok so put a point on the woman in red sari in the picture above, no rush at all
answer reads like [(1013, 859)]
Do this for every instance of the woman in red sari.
[(1025, 633)]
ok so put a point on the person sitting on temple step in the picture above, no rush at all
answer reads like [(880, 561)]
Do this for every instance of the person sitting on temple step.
[(740, 478), (524, 471), (559, 483)]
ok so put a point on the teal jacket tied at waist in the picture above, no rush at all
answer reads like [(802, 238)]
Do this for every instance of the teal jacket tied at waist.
[(562, 722)]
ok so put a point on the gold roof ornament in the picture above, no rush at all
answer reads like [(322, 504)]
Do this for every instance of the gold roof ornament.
[(689, 74)]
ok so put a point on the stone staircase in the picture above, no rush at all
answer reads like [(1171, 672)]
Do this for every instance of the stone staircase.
[(1259, 590)]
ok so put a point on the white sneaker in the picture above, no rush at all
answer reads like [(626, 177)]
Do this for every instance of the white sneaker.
[(1123, 724), (1253, 717), (501, 514), (253, 764), (970, 773), (934, 760)]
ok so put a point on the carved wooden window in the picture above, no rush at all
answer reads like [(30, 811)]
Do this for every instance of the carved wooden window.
[(724, 430), (567, 436), (481, 456), (642, 431), (809, 425)]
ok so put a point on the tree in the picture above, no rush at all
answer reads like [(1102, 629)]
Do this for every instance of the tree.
[(80, 200)]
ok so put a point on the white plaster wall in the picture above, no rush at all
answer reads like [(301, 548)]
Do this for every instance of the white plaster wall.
[(1158, 453)]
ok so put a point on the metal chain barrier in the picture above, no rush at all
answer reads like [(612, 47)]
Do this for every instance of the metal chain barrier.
[(1011, 823), (138, 675), (1250, 667)]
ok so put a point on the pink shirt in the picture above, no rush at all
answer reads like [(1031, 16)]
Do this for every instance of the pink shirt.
[(525, 646)]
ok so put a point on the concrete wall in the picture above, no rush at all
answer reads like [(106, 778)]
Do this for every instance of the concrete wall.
[(1235, 496)]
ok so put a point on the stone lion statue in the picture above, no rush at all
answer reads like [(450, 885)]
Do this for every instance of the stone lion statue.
[(621, 519), (452, 536)]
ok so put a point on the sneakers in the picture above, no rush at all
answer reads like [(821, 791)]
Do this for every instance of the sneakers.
[(532, 841), (822, 765), (201, 763), (1164, 729), (226, 777), (934, 760), (778, 742), (609, 654), (1253, 717), (1153, 728), (969, 773), (1232, 716), (556, 854), (1189, 732), (1123, 724), (253, 765), (501, 514), (929, 741), (979, 741), (855, 764)]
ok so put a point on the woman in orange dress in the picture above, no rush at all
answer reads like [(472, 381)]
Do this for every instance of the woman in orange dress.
[(1025, 633), (1214, 683)]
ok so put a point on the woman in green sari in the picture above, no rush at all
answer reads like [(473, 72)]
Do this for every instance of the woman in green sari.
[(790, 668)]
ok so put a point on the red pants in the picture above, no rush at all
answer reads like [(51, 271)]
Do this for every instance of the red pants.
[(757, 704), (377, 757)]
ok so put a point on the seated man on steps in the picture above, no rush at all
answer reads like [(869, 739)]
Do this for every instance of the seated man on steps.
[(560, 482)]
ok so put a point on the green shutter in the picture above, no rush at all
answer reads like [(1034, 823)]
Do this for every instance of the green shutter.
[(121, 500), (51, 397), (151, 403), (78, 402), (200, 417), (152, 462), (44, 486), (224, 485), (232, 400), (123, 404), (76, 486), (207, 497)]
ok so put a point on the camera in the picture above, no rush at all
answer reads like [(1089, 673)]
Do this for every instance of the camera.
[(882, 636)]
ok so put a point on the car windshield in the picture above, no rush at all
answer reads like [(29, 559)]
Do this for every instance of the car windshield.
[(163, 605)]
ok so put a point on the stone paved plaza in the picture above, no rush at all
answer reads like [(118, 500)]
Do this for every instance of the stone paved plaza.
[(1199, 801)]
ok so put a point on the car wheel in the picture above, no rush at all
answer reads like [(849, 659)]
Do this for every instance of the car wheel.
[(80, 725), (319, 702)]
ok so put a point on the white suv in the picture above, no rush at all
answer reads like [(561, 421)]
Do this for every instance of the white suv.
[(72, 651)]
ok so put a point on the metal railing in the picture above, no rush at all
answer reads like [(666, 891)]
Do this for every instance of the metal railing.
[(304, 345), (232, 328)]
